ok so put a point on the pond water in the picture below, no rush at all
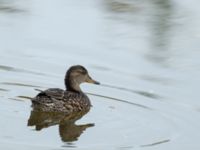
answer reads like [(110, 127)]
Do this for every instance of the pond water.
[(144, 53)]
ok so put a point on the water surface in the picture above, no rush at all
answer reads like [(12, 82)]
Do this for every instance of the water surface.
[(145, 54)]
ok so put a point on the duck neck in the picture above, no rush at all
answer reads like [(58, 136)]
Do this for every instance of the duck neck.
[(72, 85)]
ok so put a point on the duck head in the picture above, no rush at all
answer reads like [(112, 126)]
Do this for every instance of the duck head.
[(75, 76)]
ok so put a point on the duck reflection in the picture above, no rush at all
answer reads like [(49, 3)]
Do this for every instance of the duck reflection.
[(68, 130)]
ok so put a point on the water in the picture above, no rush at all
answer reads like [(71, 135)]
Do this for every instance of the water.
[(145, 54)]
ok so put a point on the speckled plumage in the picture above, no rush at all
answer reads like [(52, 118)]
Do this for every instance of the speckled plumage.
[(70, 100), (59, 100)]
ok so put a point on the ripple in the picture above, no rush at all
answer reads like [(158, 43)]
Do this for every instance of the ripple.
[(120, 100), (142, 93), (5, 90), (20, 84), (7, 68), (103, 68), (69, 145), (24, 97), (13, 69), (126, 148), (156, 79), (148, 94), (16, 99), (156, 143)]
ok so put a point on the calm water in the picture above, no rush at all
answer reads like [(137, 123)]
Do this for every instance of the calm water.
[(145, 54)]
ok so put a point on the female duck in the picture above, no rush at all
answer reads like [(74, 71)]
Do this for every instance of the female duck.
[(70, 100)]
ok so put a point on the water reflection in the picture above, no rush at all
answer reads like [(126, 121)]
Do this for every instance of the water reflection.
[(9, 7), (119, 6), (154, 17), (68, 130), (160, 32)]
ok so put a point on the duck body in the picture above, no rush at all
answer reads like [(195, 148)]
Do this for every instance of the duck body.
[(71, 100), (58, 100)]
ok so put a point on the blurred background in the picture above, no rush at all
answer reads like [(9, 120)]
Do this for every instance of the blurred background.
[(145, 54)]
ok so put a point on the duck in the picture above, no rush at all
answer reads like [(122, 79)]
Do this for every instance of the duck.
[(70, 100)]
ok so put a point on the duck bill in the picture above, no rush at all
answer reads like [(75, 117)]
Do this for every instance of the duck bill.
[(90, 80)]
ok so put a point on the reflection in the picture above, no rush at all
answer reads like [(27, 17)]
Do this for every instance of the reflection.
[(119, 6), (9, 7), (153, 18), (68, 130), (160, 37)]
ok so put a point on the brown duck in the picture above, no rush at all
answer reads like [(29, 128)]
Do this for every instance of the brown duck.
[(70, 100)]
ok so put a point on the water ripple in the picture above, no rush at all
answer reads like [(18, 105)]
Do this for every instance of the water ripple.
[(142, 93), (13, 69), (156, 143), (5, 90), (121, 100), (16, 99), (20, 84)]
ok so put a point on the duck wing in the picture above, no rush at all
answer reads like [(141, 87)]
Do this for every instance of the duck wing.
[(49, 96)]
